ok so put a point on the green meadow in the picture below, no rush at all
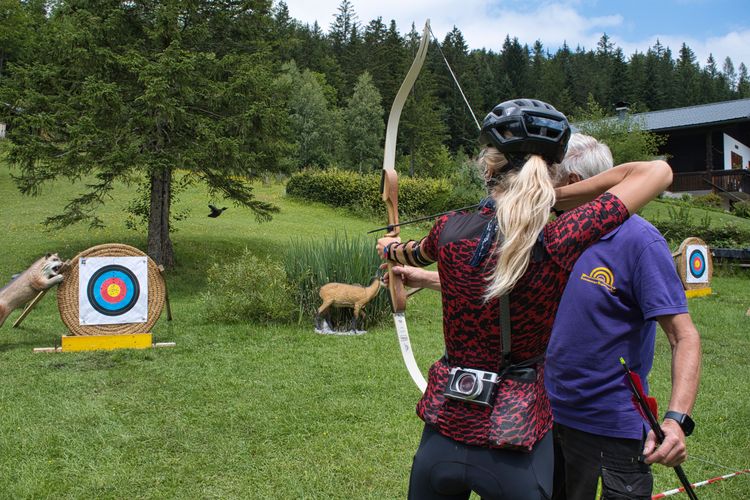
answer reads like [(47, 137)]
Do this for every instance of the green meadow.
[(258, 411)]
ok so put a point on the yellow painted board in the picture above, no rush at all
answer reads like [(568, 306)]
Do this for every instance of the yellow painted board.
[(698, 292), (71, 343)]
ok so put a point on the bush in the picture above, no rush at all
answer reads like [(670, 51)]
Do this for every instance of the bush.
[(711, 200), (310, 265), (742, 209), (679, 225), (467, 184), (248, 289), (361, 192)]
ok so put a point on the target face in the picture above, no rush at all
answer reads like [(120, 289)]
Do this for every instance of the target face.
[(113, 290), (697, 264)]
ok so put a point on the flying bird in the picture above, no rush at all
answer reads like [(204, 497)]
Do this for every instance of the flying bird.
[(215, 212)]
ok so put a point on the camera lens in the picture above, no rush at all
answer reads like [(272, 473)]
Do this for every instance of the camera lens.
[(466, 383)]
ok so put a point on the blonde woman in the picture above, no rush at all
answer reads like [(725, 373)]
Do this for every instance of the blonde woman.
[(502, 271)]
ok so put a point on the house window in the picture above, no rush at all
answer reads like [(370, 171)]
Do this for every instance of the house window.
[(736, 161)]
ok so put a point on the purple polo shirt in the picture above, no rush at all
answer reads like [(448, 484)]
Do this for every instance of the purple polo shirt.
[(617, 288)]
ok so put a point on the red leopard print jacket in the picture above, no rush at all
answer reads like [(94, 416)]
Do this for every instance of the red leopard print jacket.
[(471, 328)]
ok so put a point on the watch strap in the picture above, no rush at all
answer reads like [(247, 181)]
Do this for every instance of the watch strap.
[(686, 423)]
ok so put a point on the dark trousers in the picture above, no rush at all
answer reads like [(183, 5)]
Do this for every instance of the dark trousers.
[(445, 469), (582, 459)]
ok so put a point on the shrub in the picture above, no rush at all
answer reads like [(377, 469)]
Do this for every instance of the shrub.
[(467, 184), (361, 192), (248, 289), (742, 209), (310, 265), (679, 225), (711, 200)]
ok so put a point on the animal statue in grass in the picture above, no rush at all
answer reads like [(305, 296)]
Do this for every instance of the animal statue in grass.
[(43, 274), (342, 295)]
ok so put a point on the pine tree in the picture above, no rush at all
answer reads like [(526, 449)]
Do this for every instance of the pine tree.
[(461, 127), (603, 66), (374, 54), (342, 27), (120, 91), (687, 75), (316, 128), (619, 77), (638, 81), (514, 63), (422, 130), (659, 72), (363, 125), (536, 71), (743, 83), (729, 74)]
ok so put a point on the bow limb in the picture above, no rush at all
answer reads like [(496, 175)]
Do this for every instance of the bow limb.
[(389, 190)]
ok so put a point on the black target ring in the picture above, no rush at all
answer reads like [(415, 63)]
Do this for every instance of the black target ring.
[(697, 263), (113, 290)]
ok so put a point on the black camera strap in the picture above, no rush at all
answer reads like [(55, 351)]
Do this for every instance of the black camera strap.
[(506, 331), (505, 328)]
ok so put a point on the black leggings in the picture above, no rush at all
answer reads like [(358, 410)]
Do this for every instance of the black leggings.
[(445, 469)]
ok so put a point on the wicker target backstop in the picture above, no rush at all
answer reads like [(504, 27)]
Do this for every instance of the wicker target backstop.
[(67, 294), (681, 261)]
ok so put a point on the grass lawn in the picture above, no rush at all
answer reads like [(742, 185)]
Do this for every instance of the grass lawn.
[(250, 411)]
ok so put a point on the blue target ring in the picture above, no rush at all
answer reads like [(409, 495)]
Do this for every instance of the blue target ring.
[(697, 263), (113, 290)]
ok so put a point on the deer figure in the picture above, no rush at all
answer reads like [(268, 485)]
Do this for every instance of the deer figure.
[(344, 295)]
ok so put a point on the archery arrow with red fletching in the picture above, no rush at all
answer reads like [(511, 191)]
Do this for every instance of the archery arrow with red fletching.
[(646, 409)]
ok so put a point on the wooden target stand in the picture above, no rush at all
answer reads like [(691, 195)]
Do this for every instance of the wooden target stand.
[(109, 336), (695, 267)]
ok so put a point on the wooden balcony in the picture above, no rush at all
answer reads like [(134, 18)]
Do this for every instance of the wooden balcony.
[(731, 181)]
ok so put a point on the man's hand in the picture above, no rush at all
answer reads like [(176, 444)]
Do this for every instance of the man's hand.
[(672, 452), (415, 277)]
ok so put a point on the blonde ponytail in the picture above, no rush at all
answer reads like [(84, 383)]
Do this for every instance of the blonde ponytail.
[(523, 206)]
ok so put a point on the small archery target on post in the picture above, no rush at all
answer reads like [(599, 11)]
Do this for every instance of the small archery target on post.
[(113, 290), (697, 264), (694, 266)]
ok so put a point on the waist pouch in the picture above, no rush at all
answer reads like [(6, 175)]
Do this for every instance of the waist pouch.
[(519, 416)]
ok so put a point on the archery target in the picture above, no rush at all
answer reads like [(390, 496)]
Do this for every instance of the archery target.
[(697, 264), (113, 290)]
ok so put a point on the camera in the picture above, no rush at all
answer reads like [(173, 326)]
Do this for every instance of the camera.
[(474, 386)]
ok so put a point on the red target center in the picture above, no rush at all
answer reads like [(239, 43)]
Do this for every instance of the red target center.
[(113, 290), (697, 263)]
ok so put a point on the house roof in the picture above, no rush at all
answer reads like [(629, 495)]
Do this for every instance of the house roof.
[(691, 116)]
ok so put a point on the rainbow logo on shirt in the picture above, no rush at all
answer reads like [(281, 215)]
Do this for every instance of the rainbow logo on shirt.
[(601, 276)]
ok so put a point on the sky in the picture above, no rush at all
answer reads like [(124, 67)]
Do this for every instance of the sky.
[(718, 27)]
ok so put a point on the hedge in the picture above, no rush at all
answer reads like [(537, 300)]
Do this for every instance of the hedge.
[(361, 192)]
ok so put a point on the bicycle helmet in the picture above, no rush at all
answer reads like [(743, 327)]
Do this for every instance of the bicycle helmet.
[(526, 126)]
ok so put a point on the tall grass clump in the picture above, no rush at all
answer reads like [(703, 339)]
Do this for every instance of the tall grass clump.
[(247, 289), (311, 264)]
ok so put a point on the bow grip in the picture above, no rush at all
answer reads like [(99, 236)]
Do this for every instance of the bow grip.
[(389, 190)]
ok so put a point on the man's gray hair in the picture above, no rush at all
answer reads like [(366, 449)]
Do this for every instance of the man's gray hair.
[(585, 156)]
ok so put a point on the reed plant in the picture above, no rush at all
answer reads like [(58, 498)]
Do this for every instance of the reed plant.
[(341, 259)]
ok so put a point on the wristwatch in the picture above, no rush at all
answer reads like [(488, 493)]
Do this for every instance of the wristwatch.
[(683, 419)]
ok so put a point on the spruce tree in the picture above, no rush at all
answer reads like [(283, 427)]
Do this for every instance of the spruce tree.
[(687, 75), (743, 83), (363, 126), (132, 90)]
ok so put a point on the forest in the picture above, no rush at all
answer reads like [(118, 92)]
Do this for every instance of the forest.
[(230, 90)]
